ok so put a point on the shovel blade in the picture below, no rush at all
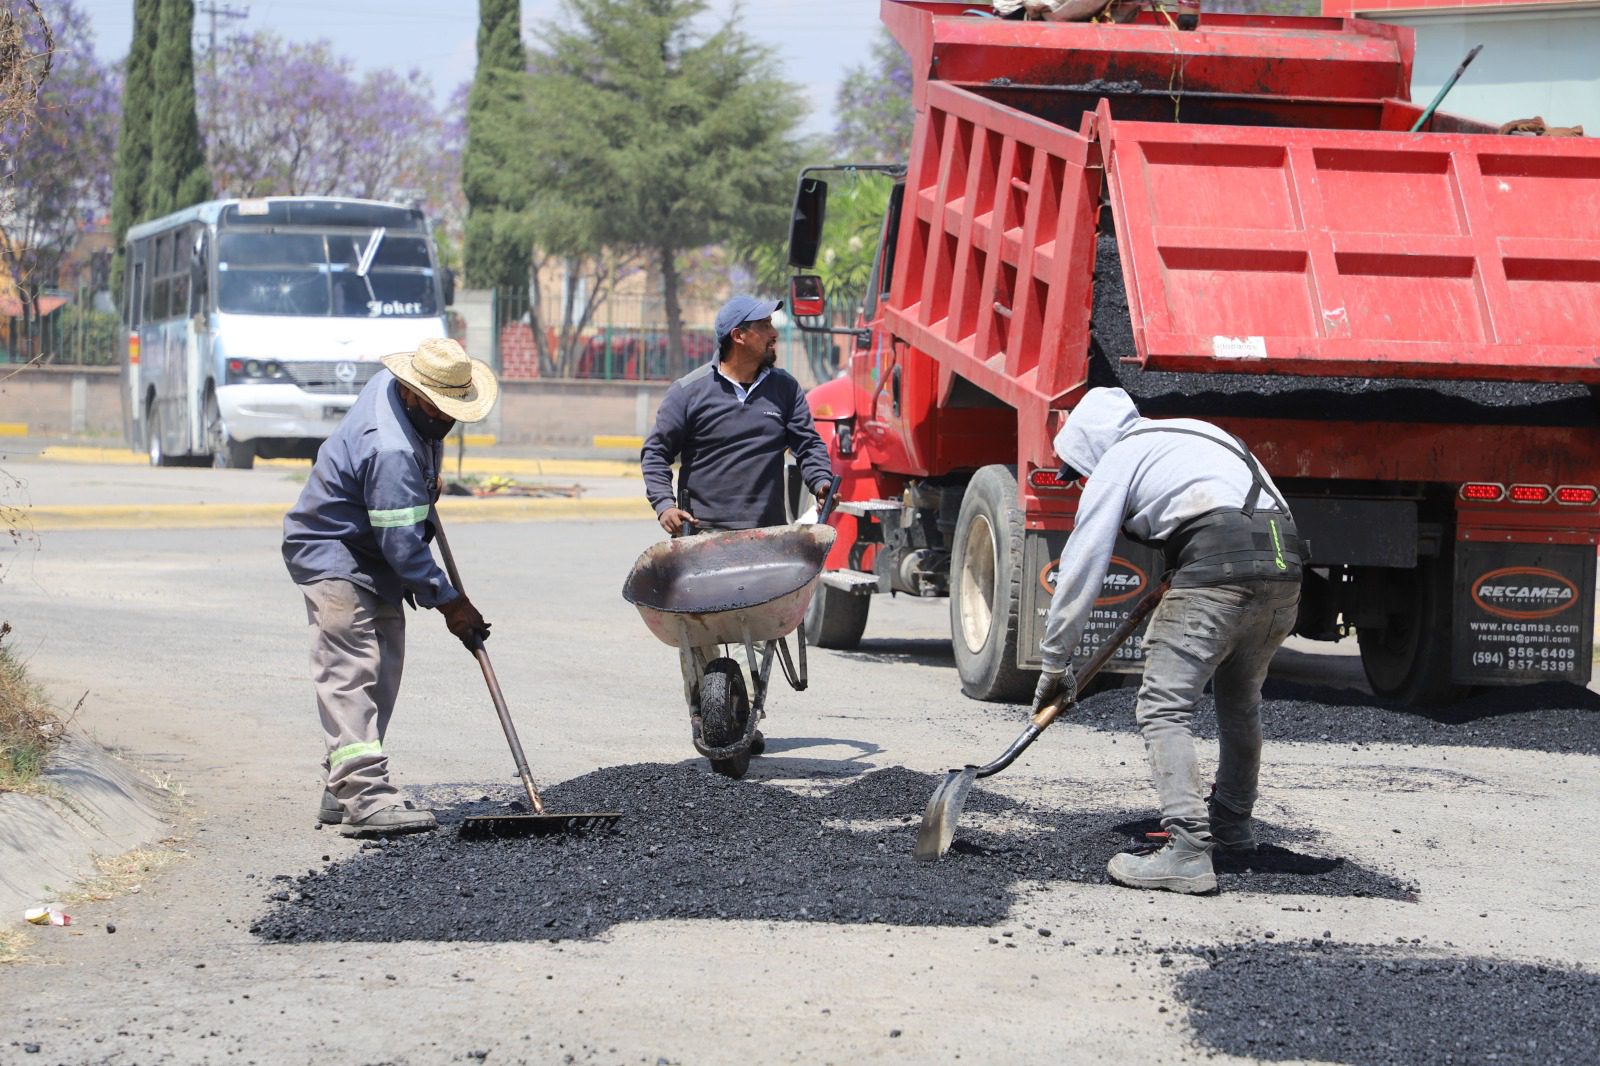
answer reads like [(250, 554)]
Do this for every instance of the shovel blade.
[(938, 827), (511, 826)]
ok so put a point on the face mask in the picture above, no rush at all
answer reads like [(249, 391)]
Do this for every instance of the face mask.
[(428, 427)]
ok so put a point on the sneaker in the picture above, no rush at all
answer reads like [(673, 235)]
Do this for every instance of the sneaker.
[(329, 813), (396, 818), (1184, 865)]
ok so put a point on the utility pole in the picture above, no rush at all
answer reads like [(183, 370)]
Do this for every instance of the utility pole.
[(215, 10)]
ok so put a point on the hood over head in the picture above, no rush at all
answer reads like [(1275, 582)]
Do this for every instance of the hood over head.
[(1101, 419)]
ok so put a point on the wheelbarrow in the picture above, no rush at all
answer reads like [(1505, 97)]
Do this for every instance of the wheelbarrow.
[(748, 587)]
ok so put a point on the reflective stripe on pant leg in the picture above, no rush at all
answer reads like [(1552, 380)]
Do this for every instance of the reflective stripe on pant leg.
[(345, 667)]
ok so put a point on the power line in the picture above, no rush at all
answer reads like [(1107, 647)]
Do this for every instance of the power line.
[(214, 10)]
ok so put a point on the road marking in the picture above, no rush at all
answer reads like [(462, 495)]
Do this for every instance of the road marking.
[(618, 440), (13, 429), (508, 466), (259, 515)]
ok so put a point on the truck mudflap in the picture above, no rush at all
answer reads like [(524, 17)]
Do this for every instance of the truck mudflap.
[(1134, 570), (1357, 252), (1523, 612)]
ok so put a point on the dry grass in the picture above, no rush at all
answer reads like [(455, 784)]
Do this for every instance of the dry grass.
[(12, 941), (126, 874), (28, 724)]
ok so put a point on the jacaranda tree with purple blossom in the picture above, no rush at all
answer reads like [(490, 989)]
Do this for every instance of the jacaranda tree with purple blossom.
[(873, 113), (58, 165), (375, 136)]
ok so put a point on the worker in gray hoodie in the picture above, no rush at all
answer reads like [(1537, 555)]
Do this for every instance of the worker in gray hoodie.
[(1195, 492)]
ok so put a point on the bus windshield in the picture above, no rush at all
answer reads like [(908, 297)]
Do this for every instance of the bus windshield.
[(376, 274)]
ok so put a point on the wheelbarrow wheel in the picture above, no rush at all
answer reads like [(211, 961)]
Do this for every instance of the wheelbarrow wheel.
[(724, 713)]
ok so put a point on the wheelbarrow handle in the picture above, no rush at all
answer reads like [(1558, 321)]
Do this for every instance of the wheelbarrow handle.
[(829, 500)]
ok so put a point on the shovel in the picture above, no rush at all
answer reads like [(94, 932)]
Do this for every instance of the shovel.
[(539, 823), (944, 806)]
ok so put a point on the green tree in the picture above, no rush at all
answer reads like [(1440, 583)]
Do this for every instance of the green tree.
[(642, 131), (873, 106), (498, 240), (177, 176), (133, 141)]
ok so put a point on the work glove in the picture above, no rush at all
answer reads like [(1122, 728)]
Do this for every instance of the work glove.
[(464, 621), (1053, 684)]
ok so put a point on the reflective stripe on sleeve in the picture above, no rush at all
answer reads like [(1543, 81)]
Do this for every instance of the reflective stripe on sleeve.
[(401, 516), (354, 751)]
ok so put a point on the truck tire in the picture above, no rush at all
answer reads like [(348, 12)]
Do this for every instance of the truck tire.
[(836, 618), (724, 712), (986, 588), (1407, 660)]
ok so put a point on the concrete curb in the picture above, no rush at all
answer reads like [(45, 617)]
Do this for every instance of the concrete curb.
[(260, 515), (94, 806)]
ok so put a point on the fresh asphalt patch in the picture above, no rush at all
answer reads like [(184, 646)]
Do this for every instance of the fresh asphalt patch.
[(695, 845), (1552, 717), (1377, 1005)]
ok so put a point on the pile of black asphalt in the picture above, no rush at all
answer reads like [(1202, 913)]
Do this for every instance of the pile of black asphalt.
[(695, 845), (1220, 394), (1366, 1004), (1551, 717)]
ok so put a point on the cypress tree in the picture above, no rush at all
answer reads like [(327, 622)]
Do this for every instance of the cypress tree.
[(178, 176), (497, 249), (133, 138)]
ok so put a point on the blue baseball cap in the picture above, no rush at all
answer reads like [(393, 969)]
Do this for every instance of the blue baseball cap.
[(741, 309)]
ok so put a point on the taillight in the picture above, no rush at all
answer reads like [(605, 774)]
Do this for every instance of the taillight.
[(1528, 493), (1577, 495), (133, 349), (1483, 492), (1048, 479)]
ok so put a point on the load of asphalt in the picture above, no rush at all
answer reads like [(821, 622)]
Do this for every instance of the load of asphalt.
[(1366, 1004), (1553, 717), (1166, 394), (695, 845)]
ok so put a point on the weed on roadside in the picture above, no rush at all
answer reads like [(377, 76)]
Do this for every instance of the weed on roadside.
[(28, 724), (126, 874), (12, 943)]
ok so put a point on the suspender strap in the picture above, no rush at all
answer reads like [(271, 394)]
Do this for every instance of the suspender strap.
[(1238, 449)]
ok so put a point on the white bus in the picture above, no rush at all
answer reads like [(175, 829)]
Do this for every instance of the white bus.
[(253, 324)]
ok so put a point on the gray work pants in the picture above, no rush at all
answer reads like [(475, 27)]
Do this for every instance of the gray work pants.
[(358, 649), (1226, 634)]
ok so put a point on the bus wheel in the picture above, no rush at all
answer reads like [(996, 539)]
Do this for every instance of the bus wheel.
[(226, 453), (158, 452), (985, 589)]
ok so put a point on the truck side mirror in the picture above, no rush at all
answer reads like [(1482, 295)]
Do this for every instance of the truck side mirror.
[(449, 280), (805, 224), (806, 297)]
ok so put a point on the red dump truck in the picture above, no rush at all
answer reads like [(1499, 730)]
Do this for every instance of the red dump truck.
[(1233, 221)]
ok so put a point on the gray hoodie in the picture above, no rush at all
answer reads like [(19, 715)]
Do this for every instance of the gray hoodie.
[(1148, 485)]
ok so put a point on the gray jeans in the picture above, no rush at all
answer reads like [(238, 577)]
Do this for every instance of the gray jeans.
[(1226, 634), (358, 650)]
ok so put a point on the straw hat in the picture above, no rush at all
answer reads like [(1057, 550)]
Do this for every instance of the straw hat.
[(463, 388)]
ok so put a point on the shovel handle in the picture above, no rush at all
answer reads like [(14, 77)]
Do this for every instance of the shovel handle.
[(480, 653)]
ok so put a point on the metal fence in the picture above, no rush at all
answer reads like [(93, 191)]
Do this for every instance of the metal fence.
[(627, 340), (66, 333)]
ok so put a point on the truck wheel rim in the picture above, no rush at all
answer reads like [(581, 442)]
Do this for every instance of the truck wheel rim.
[(977, 584)]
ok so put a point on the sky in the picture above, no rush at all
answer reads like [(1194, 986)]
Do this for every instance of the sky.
[(812, 42)]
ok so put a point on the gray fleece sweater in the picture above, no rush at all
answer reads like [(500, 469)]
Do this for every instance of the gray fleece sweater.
[(1147, 485)]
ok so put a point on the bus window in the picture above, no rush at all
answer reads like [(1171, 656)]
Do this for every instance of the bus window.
[(200, 273), (135, 301), (180, 294)]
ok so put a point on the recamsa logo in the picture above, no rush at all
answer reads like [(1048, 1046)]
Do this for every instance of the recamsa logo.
[(1524, 592), (1123, 581)]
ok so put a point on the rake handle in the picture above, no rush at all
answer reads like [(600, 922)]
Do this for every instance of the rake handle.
[(481, 653)]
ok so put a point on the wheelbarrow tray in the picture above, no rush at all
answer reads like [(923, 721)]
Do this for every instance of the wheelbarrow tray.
[(725, 588)]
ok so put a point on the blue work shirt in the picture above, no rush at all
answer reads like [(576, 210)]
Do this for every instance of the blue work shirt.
[(363, 515), (731, 439)]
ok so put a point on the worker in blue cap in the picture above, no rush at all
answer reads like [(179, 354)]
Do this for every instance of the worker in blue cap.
[(728, 425)]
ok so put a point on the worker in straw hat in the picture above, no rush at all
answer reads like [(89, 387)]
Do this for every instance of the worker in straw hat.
[(356, 543)]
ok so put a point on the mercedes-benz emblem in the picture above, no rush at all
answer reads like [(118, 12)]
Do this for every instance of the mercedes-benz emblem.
[(345, 372)]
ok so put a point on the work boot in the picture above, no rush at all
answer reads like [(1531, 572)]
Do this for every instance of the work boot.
[(1183, 865), (396, 818), (330, 813), (1230, 830)]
